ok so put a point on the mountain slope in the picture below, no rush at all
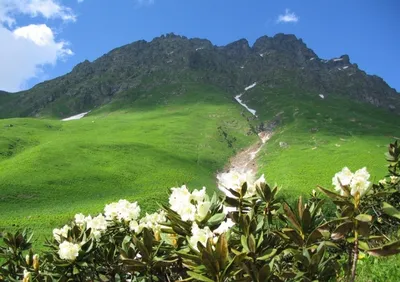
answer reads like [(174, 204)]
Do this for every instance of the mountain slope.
[(50, 170), (278, 62)]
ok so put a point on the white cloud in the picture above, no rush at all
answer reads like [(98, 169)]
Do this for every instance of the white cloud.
[(25, 50), (49, 9), (288, 17), (23, 53), (80, 1)]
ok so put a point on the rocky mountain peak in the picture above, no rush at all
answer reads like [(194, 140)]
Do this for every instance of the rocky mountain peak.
[(284, 43), (281, 61), (240, 47)]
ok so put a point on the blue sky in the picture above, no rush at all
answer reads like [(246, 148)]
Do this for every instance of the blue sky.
[(43, 39)]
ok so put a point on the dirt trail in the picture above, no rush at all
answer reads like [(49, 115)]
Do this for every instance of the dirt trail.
[(246, 160)]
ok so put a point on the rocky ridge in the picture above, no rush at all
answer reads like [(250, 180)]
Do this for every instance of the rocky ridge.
[(274, 62)]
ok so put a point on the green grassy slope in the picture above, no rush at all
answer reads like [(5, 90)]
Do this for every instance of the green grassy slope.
[(50, 170), (323, 136)]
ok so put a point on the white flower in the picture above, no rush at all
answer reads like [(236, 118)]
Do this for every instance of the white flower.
[(224, 227), (202, 210), (97, 223), (360, 185), (179, 196), (187, 212), (135, 227), (345, 176), (393, 179), (234, 180), (383, 181), (358, 182), (198, 196), (111, 211), (153, 221), (68, 250), (200, 235), (79, 219), (58, 234), (122, 210)]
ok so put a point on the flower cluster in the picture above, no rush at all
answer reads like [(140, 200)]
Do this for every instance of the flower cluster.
[(152, 221), (234, 180), (69, 251), (60, 234), (357, 182), (123, 211), (190, 206)]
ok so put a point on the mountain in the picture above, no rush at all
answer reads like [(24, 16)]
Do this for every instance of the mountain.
[(126, 76)]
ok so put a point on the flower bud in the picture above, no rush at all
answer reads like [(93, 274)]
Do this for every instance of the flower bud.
[(27, 276), (36, 262), (28, 259)]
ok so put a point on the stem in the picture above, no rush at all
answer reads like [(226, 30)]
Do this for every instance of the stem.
[(355, 249), (355, 259), (349, 262)]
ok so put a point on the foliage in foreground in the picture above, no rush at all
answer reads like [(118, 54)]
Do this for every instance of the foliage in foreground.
[(245, 235)]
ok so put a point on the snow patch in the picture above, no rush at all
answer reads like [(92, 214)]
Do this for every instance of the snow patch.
[(237, 98), (250, 86), (312, 59), (337, 59), (345, 67), (75, 117), (322, 96), (261, 55), (200, 48), (242, 67)]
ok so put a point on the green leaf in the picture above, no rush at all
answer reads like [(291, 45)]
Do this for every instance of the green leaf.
[(251, 242), (294, 236), (390, 210), (291, 216), (269, 254), (386, 250), (148, 240), (264, 273), (364, 217), (331, 194), (244, 243), (363, 245), (244, 189), (199, 276), (221, 251), (342, 230), (216, 219)]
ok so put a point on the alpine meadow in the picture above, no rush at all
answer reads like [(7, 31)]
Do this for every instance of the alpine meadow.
[(176, 111)]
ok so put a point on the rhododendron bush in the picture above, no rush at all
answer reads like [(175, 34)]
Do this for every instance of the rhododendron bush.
[(244, 233)]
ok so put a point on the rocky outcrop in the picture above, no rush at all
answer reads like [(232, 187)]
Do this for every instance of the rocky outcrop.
[(276, 62)]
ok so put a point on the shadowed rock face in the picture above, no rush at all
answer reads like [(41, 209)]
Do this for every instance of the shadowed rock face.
[(275, 62)]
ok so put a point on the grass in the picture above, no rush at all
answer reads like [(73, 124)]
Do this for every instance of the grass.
[(50, 170), (322, 136), (144, 142)]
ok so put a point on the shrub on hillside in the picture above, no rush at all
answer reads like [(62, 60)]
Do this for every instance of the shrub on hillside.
[(246, 234)]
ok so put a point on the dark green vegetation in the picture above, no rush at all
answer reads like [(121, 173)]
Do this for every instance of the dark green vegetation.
[(163, 114)]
